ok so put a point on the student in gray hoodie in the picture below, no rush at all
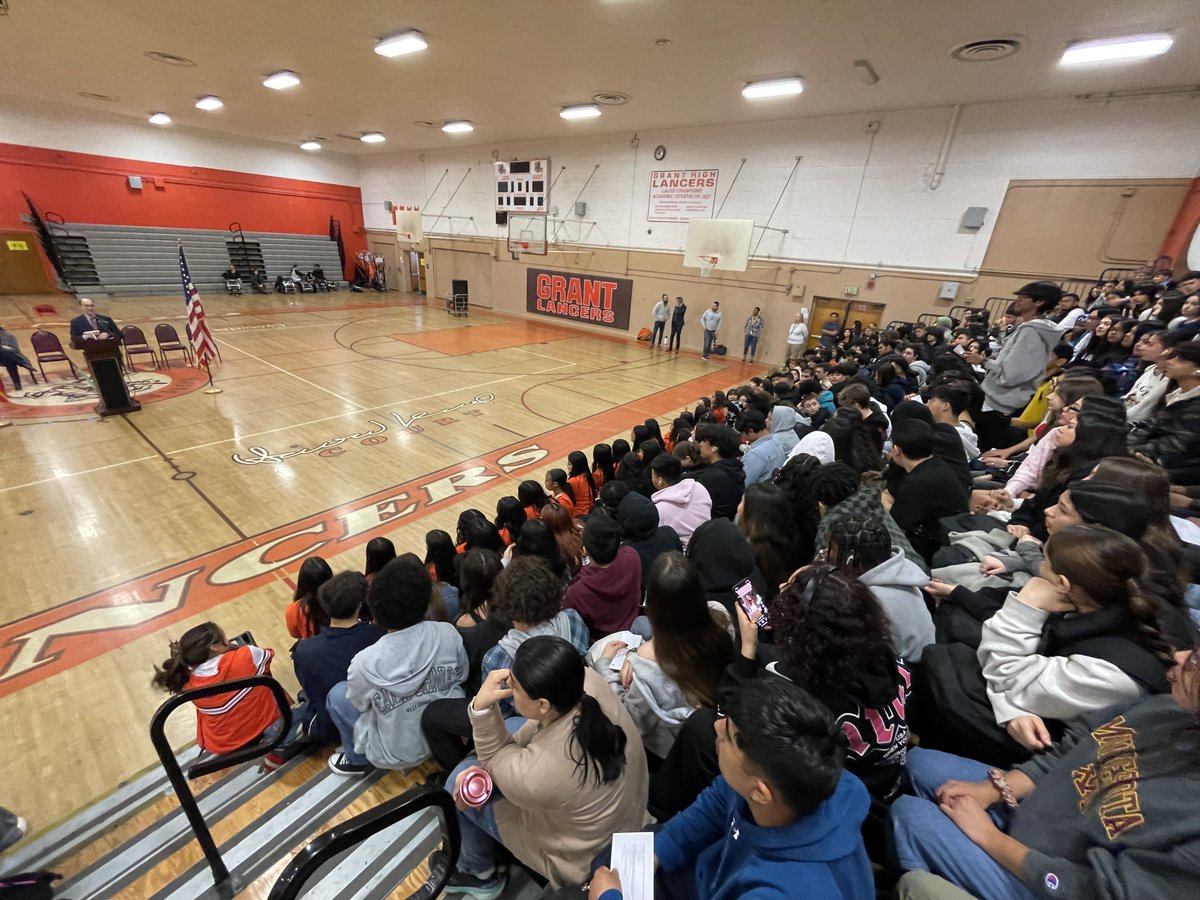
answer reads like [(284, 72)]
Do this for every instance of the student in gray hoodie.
[(377, 709), (863, 547), (1014, 373)]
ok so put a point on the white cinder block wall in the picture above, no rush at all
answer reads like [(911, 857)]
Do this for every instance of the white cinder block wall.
[(853, 200)]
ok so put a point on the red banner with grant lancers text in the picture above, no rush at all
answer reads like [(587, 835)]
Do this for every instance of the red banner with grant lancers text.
[(595, 299)]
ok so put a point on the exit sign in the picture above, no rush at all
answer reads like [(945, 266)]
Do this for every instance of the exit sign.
[(850, 290)]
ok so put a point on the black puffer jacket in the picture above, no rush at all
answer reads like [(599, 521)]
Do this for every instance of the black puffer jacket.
[(641, 531), (1172, 439)]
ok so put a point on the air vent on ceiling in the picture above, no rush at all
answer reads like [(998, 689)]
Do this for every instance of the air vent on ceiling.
[(610, 98), (91, 95), (169, 59), (988, 50)]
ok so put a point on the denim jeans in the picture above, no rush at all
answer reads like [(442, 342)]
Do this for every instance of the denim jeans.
[(656, 335), (478, 826), (709, 338), (928, 840), (750, 346), (344, 715)]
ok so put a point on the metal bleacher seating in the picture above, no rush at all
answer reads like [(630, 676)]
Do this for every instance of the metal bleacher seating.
[(138, 261)]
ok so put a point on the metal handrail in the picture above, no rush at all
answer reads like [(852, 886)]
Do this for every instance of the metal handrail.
[(326, 847), (222, 880)]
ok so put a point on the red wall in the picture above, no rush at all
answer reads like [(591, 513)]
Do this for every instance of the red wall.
[(93, 189), (1186, 223)]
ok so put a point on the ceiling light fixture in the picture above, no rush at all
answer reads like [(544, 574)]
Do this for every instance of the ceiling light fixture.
[(160, 118), (401, 44), (865, 73), (583, 111), (1138, 46), (372, 137), (458, 126), (281, 81), (779, 87), (310, 145), (209, 103)]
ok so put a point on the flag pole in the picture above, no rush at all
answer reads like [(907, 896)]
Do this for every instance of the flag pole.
[(212, 388)]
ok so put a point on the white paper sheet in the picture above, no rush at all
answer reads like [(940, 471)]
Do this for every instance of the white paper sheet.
[(633, 858)]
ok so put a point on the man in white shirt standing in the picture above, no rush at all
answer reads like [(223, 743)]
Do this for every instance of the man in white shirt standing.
[(661, 312), (797, 337), (710, 322)]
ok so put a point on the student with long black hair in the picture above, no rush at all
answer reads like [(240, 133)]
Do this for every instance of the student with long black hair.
[(583, 485), (578, 743), (560, 490), (533, 497), (510, 519), (603, 470), (304, 616), (439, 561)]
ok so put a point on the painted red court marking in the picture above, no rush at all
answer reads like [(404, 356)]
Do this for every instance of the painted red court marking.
[(184, 380), (50, 642)]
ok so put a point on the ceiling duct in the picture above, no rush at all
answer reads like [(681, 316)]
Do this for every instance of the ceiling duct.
[(987, 50)]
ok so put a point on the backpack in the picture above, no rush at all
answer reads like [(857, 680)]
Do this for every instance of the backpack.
[(644, 334), (720, 349)]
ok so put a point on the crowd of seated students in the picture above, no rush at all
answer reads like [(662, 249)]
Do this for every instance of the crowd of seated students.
[(974, 668)]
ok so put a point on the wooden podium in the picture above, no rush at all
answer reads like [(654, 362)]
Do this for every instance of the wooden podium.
[(104, 361)]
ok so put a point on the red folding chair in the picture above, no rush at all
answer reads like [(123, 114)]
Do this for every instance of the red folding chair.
[(48, 348), (137, 345), (168, 339)]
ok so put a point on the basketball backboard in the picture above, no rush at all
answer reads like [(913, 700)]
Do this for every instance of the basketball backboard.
[(726, 239), (527, 234)]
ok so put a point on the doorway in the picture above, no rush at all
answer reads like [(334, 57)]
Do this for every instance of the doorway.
[(822, 308)]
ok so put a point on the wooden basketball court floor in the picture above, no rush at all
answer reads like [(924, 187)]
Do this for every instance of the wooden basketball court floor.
[(342, 417)]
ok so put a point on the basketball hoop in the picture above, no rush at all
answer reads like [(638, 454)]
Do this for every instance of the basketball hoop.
[(708, 265)]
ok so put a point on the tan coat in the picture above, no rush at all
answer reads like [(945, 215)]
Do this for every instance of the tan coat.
[(547, 818)]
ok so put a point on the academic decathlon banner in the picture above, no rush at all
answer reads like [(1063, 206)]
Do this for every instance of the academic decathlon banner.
[(596, 299)]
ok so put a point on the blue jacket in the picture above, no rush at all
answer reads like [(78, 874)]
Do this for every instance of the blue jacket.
[(819, 856)]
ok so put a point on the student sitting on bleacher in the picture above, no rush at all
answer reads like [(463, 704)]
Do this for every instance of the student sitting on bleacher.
[(782, 820), (224, 722), (573, 775), (377, 709), (323, 660)]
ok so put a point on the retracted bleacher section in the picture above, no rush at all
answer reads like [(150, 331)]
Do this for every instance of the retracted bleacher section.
[(134, 261)]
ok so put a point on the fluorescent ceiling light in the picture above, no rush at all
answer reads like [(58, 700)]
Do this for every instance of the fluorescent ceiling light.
[(280, 81), (310, 145), (457, 127), (1136, 47), (209, 103), (160, 118), (780, 87), (586, 111), (400, 44), (372, 137)]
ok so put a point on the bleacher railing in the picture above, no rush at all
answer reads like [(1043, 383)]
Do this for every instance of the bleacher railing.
[(318, 857), (223, 882)]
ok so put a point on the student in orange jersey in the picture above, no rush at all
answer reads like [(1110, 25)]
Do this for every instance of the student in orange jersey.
[(560, 490), (583, 485), (224, 722), (304, 616), (603, 467), (533, 497)]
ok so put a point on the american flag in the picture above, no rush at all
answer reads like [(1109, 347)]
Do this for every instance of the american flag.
[(202, 339)]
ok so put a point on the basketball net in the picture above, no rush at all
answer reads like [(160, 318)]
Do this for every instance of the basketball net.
[(708, 265)]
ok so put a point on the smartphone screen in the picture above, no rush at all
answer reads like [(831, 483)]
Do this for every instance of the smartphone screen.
[(751, 603)]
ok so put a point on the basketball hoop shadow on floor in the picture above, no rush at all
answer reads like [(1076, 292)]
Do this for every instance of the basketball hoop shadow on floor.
[(68, 396)]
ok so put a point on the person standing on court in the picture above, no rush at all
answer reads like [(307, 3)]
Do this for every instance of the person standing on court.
[(754, 327), (831, 330), (90, 320), (710, 322), (797, 337), (1014, 373), (677, 315), (662, 310)]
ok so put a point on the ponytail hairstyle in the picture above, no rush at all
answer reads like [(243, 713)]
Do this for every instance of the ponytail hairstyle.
[(190, 650), (558, 478), (859, 545), (602, 462), (1111, 569), (314, 572), (530, 493), (579, 466), (549, 668), (510, 514)]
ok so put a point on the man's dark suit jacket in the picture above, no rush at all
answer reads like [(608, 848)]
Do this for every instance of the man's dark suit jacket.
[(80, 324)]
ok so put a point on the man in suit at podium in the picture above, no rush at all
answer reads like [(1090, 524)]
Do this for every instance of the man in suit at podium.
[(90, 320)]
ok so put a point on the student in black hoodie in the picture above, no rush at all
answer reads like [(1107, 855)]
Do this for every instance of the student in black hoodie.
[(722, 474), (640, 530), (1108, 811)]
